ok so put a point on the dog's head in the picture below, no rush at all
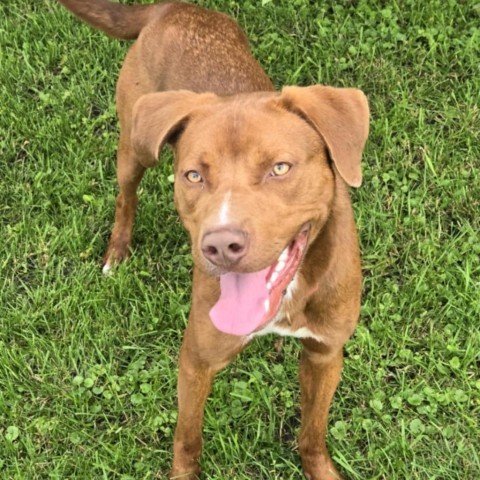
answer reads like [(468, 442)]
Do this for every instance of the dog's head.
[(254, 182)]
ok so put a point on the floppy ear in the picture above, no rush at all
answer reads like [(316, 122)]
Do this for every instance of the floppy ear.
[(340, 116), (159, 117)]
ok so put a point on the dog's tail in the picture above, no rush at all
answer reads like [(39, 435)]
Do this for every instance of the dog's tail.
[(116, 20)]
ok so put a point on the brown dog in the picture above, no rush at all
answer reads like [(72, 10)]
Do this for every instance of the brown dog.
[(261, 186)]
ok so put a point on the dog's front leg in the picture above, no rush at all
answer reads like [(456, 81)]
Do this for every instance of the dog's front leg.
[(320, 370), (129, 174), (205, 351)]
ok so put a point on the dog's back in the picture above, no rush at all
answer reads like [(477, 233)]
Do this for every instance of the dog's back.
[(183, 59)]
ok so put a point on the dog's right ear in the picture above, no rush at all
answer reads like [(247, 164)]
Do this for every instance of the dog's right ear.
[(159, 117)]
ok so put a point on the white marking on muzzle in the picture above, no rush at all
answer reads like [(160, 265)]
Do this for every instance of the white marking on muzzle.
[(224, 212)]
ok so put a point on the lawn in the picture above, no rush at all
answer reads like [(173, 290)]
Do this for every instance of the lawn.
[(88, 362)]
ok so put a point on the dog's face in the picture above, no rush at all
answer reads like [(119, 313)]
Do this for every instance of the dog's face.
[(250, 166), (254, 183)]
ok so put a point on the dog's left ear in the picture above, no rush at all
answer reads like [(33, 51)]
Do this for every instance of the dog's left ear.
[(340, 116)]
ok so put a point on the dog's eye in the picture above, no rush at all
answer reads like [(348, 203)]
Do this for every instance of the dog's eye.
[(193, 176), (280, 169)]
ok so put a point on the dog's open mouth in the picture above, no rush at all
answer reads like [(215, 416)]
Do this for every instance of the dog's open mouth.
[(248, 301)]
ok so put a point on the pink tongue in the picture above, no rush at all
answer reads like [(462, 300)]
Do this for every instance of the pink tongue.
[(241, 306)]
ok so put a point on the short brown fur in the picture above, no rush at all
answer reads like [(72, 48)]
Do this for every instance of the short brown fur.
[(191, 81)]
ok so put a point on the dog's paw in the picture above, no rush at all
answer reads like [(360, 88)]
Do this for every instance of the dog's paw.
[(117, 252), (320, 468), (107, 269), (184, 476), (324, 475)]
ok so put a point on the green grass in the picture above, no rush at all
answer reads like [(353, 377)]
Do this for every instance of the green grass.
[(88, 363)]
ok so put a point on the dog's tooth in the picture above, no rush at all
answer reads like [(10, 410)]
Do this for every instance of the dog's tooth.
[(273, 278), (267, 305), (269, 285), (283, 256), (280, 266)]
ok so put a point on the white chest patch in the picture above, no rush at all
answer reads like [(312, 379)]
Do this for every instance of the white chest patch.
[(302, 332)]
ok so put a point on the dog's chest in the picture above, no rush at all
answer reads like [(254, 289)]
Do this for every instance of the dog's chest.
[(281, 327), (286, 325)]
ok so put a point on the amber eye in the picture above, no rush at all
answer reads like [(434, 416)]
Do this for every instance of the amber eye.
[(193, 176), (280, 169)]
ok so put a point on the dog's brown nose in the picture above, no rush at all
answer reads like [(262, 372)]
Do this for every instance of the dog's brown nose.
[(225, 247)]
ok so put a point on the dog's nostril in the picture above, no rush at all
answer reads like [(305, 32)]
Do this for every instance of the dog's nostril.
[(225, 247), (211, 250), (235, 247)]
